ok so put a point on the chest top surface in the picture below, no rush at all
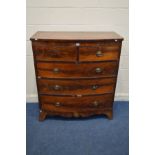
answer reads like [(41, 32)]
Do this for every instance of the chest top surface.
[(79, 36)]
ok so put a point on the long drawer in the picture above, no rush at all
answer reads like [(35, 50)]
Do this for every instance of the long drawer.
[(78, 86), (60, 102), (72, 70)]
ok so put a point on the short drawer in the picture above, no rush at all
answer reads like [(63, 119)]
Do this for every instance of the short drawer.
[(72, 70), (73, 87), (100, 101), (50, 51), (99, 52)]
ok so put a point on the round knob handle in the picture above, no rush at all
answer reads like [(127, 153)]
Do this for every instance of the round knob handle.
[(99, 53), (56, 70), (57, 104), (57, 87), (94, 87), (75, 114), (96, 103), (98, 70)]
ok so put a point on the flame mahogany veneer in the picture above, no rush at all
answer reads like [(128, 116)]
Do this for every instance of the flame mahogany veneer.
[(76, 72)]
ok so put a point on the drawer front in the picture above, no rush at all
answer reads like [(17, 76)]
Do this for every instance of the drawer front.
[(100, 101), (99, 52), (71, 70), (74, 87), (49, 51)]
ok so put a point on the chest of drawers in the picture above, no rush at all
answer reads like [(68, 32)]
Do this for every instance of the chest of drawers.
[(76, 72)]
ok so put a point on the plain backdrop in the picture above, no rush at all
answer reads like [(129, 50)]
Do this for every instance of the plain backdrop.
[(78, 15)]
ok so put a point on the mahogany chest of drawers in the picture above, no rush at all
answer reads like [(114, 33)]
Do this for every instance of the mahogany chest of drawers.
[(76, 72)]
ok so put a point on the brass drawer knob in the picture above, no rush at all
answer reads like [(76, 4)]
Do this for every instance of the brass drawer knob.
[(56, 70), (79, 95), (98, 70), (94, 87), (57, 104), (75, 114), (95, 103), (99, 53), (57, 87)]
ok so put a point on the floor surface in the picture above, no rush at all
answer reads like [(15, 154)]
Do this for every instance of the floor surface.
[(89, 136)]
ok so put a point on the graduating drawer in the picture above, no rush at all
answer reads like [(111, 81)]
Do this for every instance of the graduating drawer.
[(99, 52), (72, 70), (50, 51), (73, 87), (60, 102)]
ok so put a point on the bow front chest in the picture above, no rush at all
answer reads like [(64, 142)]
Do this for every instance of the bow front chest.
[(76, 72)]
